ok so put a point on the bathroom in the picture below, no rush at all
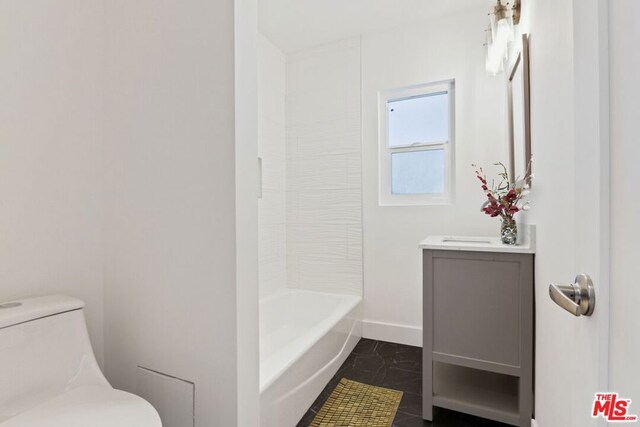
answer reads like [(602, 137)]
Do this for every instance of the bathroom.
[(229, 291)]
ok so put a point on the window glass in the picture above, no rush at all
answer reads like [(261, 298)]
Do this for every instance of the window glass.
[(421, 119), (417, 172)]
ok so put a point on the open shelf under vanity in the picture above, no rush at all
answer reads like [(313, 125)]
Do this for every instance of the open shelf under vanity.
[(476, 392)]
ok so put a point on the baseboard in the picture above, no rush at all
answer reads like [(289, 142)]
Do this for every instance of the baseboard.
[(401, 334)]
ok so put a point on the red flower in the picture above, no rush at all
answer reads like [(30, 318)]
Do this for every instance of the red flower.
[(503, 199)]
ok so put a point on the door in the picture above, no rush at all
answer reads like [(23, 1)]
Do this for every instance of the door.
[(588, 344), (592, 226)]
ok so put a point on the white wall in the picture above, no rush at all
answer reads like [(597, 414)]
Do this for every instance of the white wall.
[(51, 132), (170, 229), (271, 149), (324, 213), (625, 110), (160, 141), (449, 48)]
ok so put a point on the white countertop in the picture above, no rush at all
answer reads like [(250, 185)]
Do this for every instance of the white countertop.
[(526, 242)]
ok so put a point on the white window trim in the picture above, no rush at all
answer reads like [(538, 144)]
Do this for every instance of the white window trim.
[(385, 196)]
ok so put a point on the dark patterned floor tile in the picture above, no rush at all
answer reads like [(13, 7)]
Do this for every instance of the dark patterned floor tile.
[(351, 373), (408, 358), (369, 362), (398, 367), (386, 350), (411, 404), (409, 421), (365, 346), (399, 379)]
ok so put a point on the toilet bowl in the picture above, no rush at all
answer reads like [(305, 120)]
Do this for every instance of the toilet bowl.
[(49, 376)]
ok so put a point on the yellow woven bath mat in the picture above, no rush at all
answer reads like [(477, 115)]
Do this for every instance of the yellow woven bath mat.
[(353, 404)]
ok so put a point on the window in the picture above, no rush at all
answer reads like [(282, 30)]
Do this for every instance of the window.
[(416, 144)]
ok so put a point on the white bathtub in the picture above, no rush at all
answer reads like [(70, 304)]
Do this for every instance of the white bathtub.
[(304, 338)]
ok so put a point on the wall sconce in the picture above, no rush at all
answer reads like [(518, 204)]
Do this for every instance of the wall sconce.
[(515, 12), (500, 35)]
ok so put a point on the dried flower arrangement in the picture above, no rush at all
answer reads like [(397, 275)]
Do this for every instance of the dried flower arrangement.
[(505, 198)]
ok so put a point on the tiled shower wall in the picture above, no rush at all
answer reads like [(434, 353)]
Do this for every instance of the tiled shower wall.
[(323, 169), (271, 149)]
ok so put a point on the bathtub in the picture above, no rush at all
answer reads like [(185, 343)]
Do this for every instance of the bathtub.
[(304, 338)]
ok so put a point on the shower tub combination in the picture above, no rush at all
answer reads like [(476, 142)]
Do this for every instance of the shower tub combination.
[(304, 338)]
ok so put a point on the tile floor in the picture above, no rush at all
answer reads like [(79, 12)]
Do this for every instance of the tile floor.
[(398, 367)]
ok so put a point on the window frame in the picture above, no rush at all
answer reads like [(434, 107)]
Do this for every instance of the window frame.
[(385, 151)]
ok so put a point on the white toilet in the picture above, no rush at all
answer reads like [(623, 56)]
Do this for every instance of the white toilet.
[(48, 372)]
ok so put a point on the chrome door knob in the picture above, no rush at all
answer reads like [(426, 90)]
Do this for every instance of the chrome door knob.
[(578, 299)]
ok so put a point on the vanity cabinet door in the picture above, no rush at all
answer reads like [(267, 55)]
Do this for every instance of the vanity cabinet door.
[(477, 308)]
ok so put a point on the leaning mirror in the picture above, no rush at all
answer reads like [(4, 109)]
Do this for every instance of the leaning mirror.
[(519, 113)]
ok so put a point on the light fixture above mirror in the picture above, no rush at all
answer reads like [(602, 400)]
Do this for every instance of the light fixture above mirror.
[(500, 34)]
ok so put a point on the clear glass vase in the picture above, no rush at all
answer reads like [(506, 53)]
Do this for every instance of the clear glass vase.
[(509, 231)]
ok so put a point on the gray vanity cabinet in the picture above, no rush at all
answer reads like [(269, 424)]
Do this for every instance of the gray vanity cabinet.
[(478, 334)]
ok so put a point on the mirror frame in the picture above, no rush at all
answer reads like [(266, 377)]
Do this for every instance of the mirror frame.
[(523, 61)]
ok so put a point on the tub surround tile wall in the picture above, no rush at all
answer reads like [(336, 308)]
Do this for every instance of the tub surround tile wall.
[(310, 215), (272, 241), (324, 208)]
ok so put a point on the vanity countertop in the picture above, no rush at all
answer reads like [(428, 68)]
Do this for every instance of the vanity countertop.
[(526, 243)]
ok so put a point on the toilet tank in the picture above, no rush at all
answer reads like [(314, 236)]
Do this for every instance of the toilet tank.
[(44, 351)]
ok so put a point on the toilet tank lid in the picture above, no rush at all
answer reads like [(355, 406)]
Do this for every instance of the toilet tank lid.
[(24, 310)]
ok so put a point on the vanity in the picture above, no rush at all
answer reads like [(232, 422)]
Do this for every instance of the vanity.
[(478, 327)]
